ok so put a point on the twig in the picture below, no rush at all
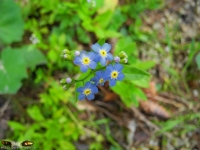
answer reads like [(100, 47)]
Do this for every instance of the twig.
[(141, 117), (180, 99), (4, 107), (108, 114), (165, 100)]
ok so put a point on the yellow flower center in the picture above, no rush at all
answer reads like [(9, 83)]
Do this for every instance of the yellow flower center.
[(87, 92), (101, 80), (85, 60), (103, 53), (114, 74)]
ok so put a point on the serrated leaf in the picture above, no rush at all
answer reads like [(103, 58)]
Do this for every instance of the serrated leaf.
[(12, 71), (11, 24), (35, 113)]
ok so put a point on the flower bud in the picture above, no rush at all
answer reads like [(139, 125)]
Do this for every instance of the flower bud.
[(68, 80), (122, 55), (116, 59), (67, 57), (63, 81), (64, 87), (124, 60), (66, 51), (76, 53)]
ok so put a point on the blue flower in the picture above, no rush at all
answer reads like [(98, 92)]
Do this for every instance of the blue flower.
[(114, 73), (100, 78), (87, 91), (103, 52), (86, 60)]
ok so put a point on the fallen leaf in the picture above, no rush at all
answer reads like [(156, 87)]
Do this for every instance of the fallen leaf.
[(154, 109)]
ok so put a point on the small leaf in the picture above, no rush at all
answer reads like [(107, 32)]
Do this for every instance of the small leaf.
[(32, 56), (16, 125), (101, 41), (35, 113), (198, 60)]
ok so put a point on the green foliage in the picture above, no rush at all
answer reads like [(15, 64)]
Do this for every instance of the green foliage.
[(184, 123), (11, 24), (198, 60), (57, 25), (14, 64)]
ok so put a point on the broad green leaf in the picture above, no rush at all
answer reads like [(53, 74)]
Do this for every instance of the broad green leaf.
[(11, 24), (198, 60), (144, 65), (13, 64), (12, 71), (129, 93), (35, 113), (133, 73)]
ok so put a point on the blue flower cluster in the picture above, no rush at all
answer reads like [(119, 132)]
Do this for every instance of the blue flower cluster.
[(111, 69)]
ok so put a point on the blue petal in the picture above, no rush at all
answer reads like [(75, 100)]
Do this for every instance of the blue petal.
[(120, 77), (118, 67), (96, 47), (90, 97), (110, 57), (103, 61), (94, 79), (109, 68), (98, 73), (112, 82), (84, 68), (106, 47), (97, 58), (87, 84), (92, 65), (94, 90), (77, 60), (80, 89), (81, 97), (92, 55)]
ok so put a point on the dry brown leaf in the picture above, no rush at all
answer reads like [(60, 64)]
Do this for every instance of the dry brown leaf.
[(110, 96), (84, 105), (154, 109), (151, 90)]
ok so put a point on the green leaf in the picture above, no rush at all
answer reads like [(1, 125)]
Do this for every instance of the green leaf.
[(101, 41), (12, 71), (13, 64), (16, 125), (133, 73), (11, 24), (35, 113), (129, 93), (198, 60), (33, 56)]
